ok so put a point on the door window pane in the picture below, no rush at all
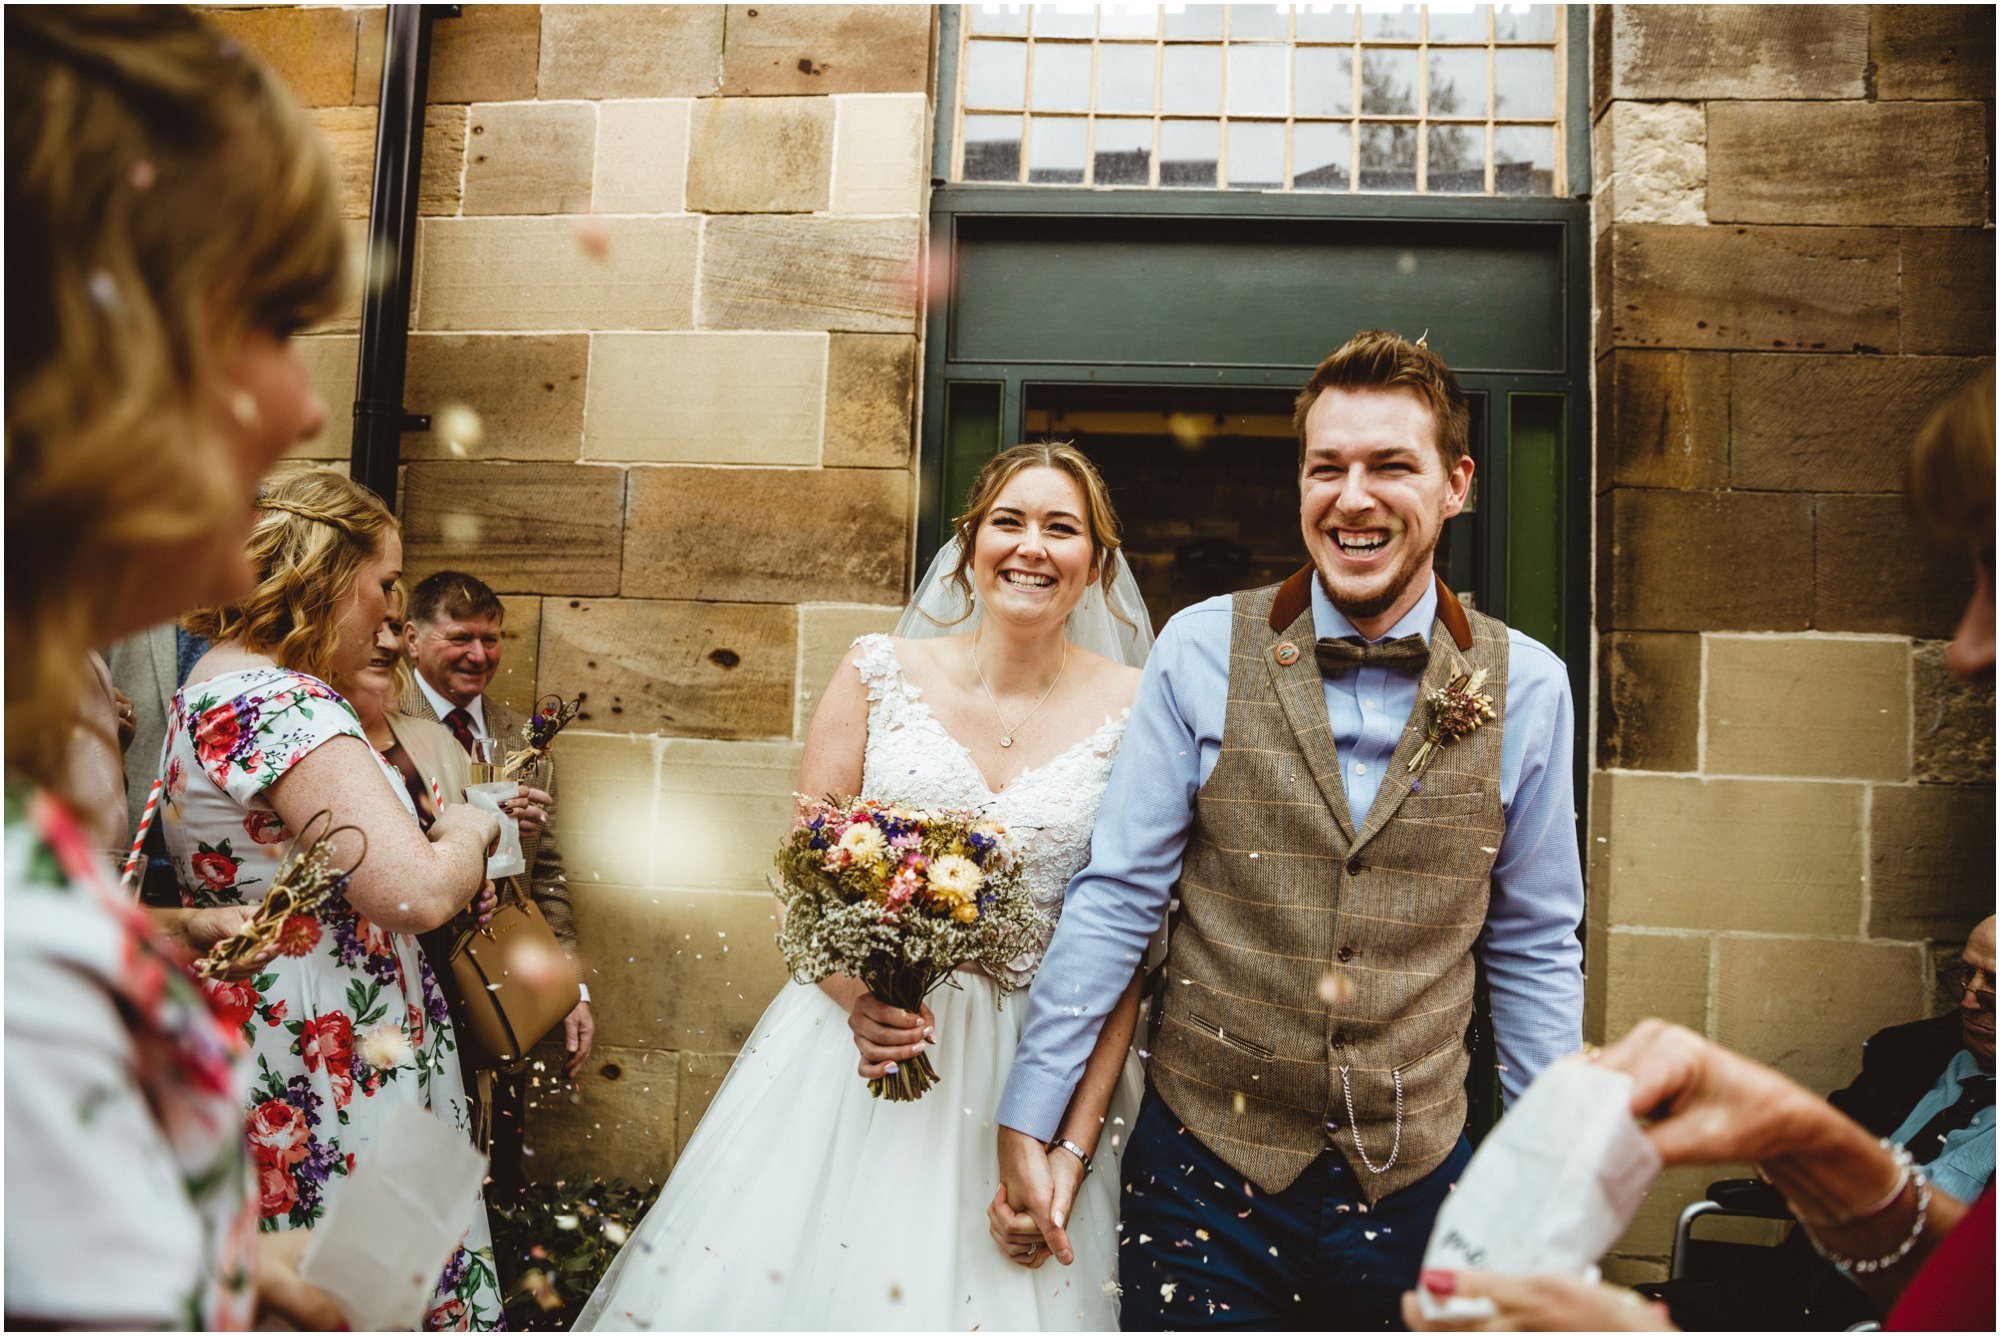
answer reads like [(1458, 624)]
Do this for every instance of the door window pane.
[(1524, 160), (1458, 83), (1257, 155), (1524, 85), (1324, 80), (1128, 21), (1388, 157), (1388, 83), (1067, 20), (1320, 157), (1125, 78), (1389, 25), (1191, 80), (1258, 23), (1524, 23), (1195, 23), (1123, 153), (996, 74), (1332, 23), (992, 148), (1459, 23), (1061, 77), (1257, 80), (1055, 150), (1457, 160), (1010, 20), (1188, 152)]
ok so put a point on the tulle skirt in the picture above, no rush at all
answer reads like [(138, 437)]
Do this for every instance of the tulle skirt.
[(803, 1202)]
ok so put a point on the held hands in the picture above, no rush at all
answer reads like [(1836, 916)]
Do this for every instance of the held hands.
[(1029, 1179), (888, 1035), (1537, 1303)]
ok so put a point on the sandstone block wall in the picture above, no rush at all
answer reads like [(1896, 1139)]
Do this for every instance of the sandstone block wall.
[(668, 256), (1792, 810)]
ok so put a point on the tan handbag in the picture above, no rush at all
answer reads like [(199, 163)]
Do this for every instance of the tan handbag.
[(516, 981)]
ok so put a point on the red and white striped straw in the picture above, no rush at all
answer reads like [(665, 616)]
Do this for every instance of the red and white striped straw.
[(128, 880), (437, 795)]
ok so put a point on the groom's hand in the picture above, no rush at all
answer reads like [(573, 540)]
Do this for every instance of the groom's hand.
[(1024, 1173)]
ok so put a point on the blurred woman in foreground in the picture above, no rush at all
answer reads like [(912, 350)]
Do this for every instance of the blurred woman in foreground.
[(171, 218)]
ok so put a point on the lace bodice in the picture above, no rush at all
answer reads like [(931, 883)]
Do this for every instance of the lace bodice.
[(1050, 809)]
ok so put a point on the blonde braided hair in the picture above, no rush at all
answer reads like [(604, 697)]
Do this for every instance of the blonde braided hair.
[(315, 532)]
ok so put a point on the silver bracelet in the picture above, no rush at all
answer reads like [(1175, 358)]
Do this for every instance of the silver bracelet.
[(1073, 1149), (1868, 1266)]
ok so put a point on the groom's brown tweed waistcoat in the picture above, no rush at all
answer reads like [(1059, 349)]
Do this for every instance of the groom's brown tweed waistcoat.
[(1278, 888)]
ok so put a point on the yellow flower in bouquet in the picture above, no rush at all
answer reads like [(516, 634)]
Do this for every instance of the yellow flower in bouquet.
[(956, 879)]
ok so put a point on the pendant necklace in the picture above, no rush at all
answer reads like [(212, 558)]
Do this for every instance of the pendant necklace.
[(1007, 733)]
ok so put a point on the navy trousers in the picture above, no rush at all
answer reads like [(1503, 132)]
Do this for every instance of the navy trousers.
[(1200, 1246)]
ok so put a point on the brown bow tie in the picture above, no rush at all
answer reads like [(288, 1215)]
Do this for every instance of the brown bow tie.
[(1405, 654)]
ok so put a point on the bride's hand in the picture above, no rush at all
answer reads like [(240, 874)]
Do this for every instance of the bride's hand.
[(1015, 1232), (887, 1035)]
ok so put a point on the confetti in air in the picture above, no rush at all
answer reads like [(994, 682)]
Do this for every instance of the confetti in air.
[(461, 529), (593, 238), (378, 271), (459, 429), (143, 174), (1335, 988)]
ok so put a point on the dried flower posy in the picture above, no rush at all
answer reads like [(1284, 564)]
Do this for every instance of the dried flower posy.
[(309, 874), (552, 715), (1457, 710)]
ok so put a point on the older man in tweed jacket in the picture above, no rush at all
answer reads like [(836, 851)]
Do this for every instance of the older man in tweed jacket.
[(452, 634), (1335, 875)]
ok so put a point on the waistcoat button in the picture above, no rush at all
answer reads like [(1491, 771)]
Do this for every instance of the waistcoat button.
[(1354, 866), (1346, 954)]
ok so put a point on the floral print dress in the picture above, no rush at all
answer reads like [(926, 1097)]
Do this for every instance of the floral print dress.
[(348, 1021), (128, 1186)]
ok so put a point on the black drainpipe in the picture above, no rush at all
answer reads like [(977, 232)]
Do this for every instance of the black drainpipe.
[(379, 419)]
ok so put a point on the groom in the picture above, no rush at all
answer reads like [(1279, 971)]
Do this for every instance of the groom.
[(1305, 1108)]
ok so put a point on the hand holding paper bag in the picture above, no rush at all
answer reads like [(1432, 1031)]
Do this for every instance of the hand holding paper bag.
[(1553, 1187)]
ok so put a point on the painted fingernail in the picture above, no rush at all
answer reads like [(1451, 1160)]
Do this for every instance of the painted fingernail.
[(888, 1069), (1439, 1282)]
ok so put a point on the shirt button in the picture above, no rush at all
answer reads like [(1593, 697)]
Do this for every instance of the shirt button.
[(1360, 768)]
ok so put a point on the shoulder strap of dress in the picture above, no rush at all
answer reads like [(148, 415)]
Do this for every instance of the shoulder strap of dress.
[(877, 663)]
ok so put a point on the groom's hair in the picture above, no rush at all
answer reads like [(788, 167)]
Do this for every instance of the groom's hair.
[(1376, 359)]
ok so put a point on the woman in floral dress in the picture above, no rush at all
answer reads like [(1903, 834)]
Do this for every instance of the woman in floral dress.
[(347, 1022), (171, 217)]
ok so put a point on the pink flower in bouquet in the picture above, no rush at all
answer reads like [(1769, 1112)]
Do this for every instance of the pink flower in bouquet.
[(278, 1134), (904, 885)]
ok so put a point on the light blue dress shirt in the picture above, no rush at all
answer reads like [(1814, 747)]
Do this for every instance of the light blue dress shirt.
[(1533, 959), (1965, 1166)]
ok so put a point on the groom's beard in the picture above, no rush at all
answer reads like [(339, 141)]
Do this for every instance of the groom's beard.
[(1374, 605)]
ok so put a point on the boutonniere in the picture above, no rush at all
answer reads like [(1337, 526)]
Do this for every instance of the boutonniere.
[(1457, 709)]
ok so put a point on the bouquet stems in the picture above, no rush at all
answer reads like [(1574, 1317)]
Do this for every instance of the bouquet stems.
[(903, 988)]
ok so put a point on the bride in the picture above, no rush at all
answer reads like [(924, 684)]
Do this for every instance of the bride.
[(802, 1202)]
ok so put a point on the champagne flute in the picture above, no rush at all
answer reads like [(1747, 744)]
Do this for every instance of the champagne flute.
[(486, 760)]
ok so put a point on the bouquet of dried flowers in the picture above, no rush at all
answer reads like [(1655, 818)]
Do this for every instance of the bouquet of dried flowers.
[(899, 897), (552, 715), (309, 874), (1457, 710)]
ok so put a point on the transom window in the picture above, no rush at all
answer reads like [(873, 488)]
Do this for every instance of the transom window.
[(1433, 99)]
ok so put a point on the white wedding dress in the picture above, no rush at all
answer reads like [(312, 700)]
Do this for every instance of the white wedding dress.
[(803, 1202)]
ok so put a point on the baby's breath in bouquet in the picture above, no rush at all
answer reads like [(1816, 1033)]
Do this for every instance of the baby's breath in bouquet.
[(899, 898)]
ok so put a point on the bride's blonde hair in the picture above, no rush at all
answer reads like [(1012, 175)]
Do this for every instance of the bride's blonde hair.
[(993, 479), (166, 197)]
